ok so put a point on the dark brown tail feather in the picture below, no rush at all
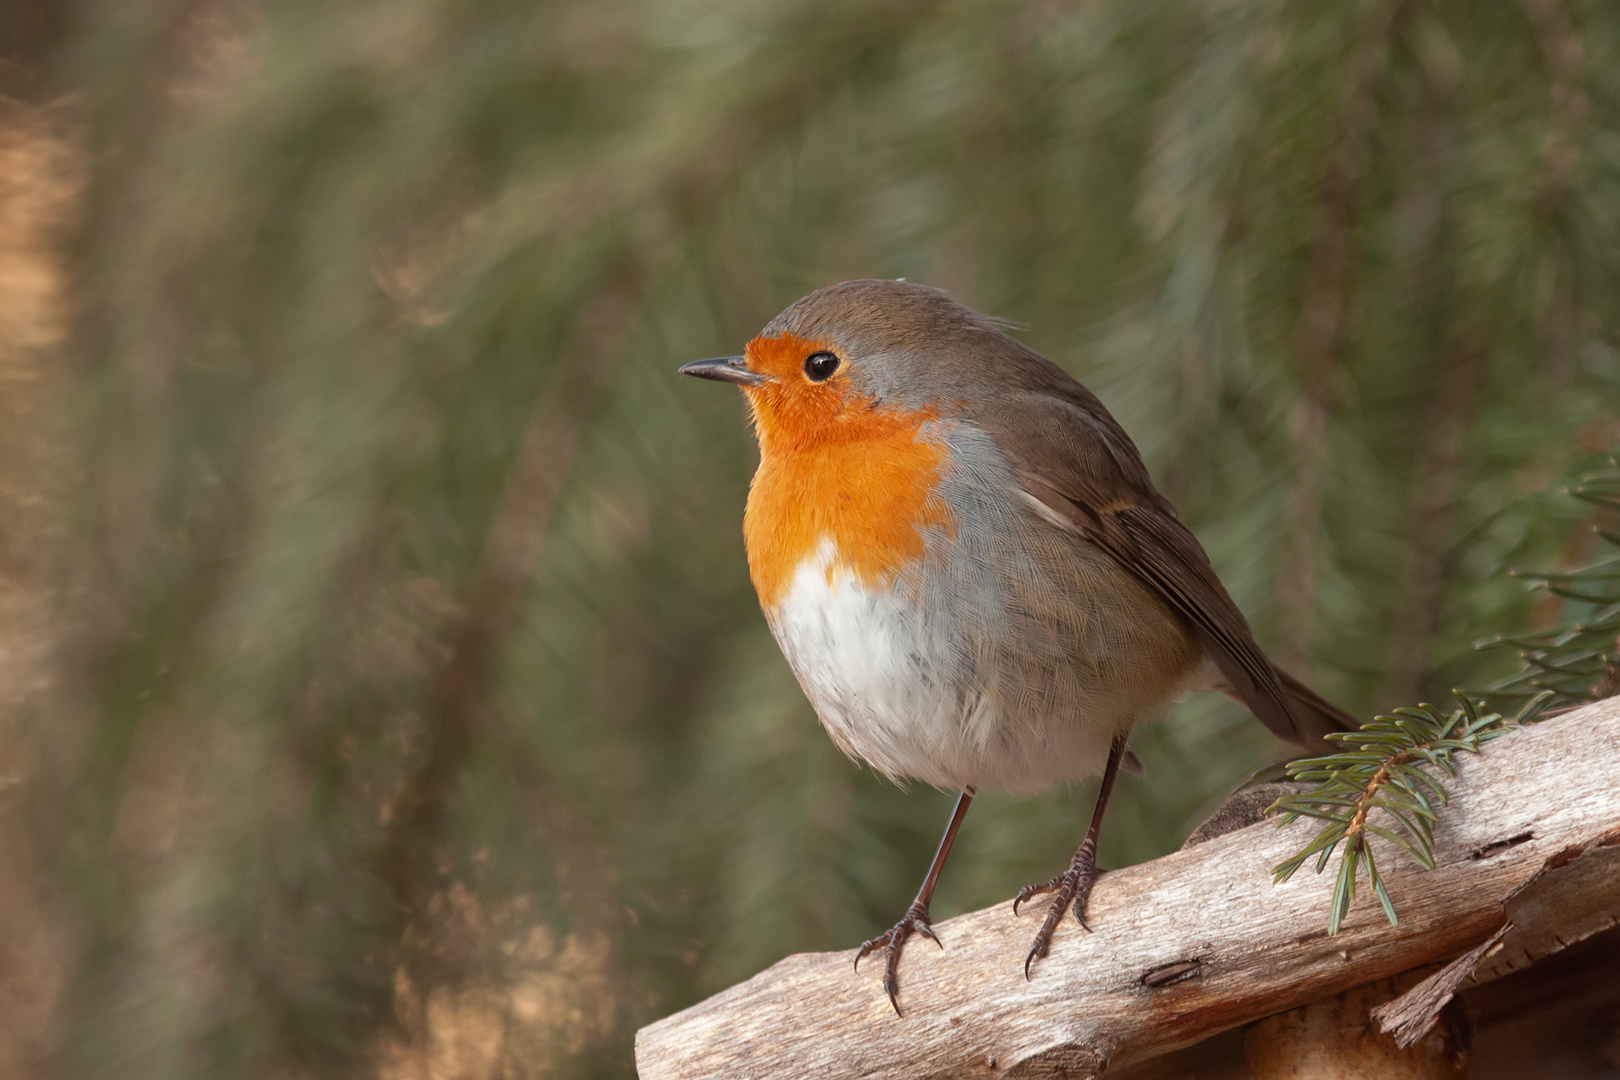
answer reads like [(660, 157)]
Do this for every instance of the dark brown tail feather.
[(1314, 715)]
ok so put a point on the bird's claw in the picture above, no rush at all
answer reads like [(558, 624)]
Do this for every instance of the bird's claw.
[(1071, 887), (1037, 949), (1035, 890), (892, 941)]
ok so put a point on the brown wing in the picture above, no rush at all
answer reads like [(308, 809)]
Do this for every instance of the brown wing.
[(1076, 460)]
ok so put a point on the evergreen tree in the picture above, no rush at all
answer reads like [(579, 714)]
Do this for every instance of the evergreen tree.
[(408, 705)]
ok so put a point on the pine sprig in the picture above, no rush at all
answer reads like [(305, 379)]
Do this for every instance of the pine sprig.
[(1382, 788), (1575, 664)]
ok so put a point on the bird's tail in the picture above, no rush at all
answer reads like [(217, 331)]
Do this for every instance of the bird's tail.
[(1314, 715)]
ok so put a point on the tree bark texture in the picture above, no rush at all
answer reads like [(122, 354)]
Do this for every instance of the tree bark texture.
[(1197, 942), (1338, 1039)]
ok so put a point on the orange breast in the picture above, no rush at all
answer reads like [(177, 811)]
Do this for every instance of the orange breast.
[(833, 465)]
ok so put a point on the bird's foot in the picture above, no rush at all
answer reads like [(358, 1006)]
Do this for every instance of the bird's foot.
[(1071, 887), (892, 941)]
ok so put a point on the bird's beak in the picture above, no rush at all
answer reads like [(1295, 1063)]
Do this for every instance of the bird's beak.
[(731, 369)]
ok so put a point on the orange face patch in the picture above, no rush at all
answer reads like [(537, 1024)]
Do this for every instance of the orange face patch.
[(833, 464)]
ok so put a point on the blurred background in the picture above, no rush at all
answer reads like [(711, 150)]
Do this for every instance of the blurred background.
[(383, 691)]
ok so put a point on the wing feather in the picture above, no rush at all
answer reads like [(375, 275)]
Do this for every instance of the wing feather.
[(1075, 460)]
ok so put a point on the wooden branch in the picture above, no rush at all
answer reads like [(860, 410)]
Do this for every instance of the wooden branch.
[(1194, 943)]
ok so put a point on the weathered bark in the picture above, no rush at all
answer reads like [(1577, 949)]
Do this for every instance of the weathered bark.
[(1338, 1039), (1197, 942)]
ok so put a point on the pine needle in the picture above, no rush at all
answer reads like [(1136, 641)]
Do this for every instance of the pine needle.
[(1374, 789)]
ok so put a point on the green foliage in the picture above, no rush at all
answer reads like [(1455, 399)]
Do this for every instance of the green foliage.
[(359, 724), (1580, 662), (1382, 787), (1563, 668)]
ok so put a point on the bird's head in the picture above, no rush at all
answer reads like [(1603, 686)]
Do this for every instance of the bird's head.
[(838, 360)]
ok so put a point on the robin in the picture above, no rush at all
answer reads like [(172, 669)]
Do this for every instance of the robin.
[(969, 570)]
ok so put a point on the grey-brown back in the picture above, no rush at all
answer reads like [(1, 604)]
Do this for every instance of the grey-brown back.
[(914, 346)]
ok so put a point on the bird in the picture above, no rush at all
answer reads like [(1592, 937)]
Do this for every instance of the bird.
[(965, 562)]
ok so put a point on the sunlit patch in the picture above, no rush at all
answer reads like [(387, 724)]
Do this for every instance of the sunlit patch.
[(536, 1006)]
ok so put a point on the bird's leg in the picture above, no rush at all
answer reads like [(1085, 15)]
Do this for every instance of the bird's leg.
[(916, 918), (1074, 884)]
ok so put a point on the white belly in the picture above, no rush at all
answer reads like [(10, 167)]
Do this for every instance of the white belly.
[(889, 690)]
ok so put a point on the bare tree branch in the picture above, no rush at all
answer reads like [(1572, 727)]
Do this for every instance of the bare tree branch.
[(1194, 943)]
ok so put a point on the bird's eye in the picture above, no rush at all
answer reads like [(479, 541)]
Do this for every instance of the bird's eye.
[(819, 366)]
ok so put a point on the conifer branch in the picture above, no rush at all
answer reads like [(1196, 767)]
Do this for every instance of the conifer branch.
[(1388, 769), (1386, 772), (1580, 662)]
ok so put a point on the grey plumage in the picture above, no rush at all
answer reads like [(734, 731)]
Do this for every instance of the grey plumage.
[(1071, 593)]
